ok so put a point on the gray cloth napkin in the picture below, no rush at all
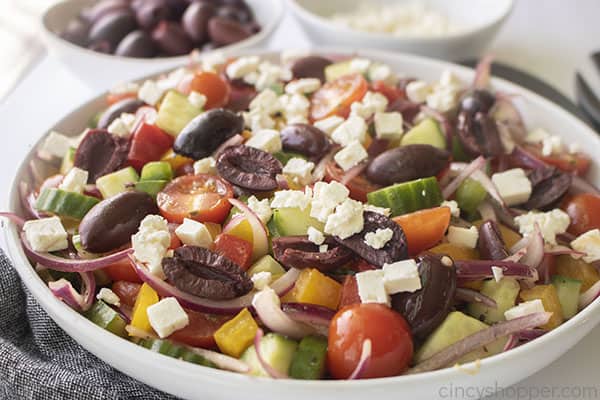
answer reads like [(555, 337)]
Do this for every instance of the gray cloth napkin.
[(38, 360)]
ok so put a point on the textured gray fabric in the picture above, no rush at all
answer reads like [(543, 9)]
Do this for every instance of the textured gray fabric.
[(38, 360)]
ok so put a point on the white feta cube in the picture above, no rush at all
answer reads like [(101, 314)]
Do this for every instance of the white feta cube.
[(379, 210), (379, 238), (109, 297), (75, 180), (381, 72), (417, 91), (261, 208), (207, 165), (268, 140), (351, 155), (303, 86), (261, 279), (329, 124), (213, 60), (167, 316), (323, 248), (354, 128), (551, 145), (498, 273), (197, 99), (371, 288), (371, 103), (194, 233), (401, 276), (523, 309), (242, 66), (299, 170), (346, 220), (125, 87), (151, 242), (150, 93), (588, 243), (513, 185), (551, 223), (453, 206), (449, 79), (56, 144), (326, 197), (537, 135), (465, 237), (389, 125), (122, 126), (46, 234), (315, 235), (291, 199), (360, 65), (443, 99), (267, 101)]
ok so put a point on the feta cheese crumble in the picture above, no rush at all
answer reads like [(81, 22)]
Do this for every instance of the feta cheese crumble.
[(352, 129), (167, 316), (551, 223), (150, 93), (315, 235), (268, 140), (326, 197), (299, 170), (261, 279), (401, 276), (122, 126), (56, 144), (291, 199), (197, 99), (465, 237), (588, 243), (513, 185), (242, 66), (371, 288), (151, 242), (46, 234), (329, 124), (207, 165), (194, 233), (75, 180), (303, 86), (379, 210), (453, 206), (388, 125), (351, 155), (346, 220), (379, 238), (417, 91), (261, 208), (109, 297)]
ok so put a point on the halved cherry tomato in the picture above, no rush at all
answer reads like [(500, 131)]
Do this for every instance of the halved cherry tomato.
[(122, 271), (200, 330), (392, 93), (335, 98), (127, 291), (358, 187), (584, 210), (214, 87), (113, 98), (391, 341), (424, 228), (349, 292), (577, 163), (148, 143), (234, 248), (202, 197)]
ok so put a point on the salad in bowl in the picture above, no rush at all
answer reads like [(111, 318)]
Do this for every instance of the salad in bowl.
[(314, 218)]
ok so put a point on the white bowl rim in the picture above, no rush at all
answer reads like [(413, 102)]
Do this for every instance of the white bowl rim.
[(61, 312), (460, 34), (252, 40)]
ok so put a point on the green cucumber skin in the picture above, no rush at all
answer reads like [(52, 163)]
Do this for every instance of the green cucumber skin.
[(171, 349), (504, 293), (426, 132), (157, 171), (309, 360), (568, 291), (469, 195), (406, 197), (105, 317), (63, 203), (152, 187), (293, 221)]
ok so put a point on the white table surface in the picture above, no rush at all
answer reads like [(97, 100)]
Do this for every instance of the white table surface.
[(550, 39)]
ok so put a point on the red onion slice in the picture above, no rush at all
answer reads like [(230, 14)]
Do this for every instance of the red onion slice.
[(483, 72), (233, 222), (353, 172), (529, 250), (587, 297), (363, 362), (321, 167), (473, 296), (282, 182), (272, 372), (513, 341), (559, 250), (530, 334), (487, 211), (260, 238), (232, 141), (267, 305), (14, 218), (28, 202), (454, 352), (526, 159), (311, 314), (63, 289), (482, 269), (466, 172)]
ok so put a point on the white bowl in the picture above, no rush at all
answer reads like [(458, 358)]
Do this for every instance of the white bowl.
[(480, 20), (100, 71), (195, 382)]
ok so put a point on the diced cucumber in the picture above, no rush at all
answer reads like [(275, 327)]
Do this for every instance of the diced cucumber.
[(285, 156), (309, 360), (567, 290), (162, 346), (276, 350), (117, 182), (175, 112), (458, 152), (406, 197), (151, 187), (294, 221), (425, 132), (190, 356), (337, 70), (266, 264), (66, 204), (67, 161), (157, 171), (272, 228), (469, 195), (102, 315), (504, 293)]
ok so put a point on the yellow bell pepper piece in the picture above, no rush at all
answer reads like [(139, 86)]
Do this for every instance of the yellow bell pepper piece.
[(455, 252), (577, 269), (315, 288), (145, 298), (242, 230), (547, 294), (175, 160), (237, 334)]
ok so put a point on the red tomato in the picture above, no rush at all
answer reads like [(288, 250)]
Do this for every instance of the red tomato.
[(424, 228), (392, 93), (148, 143), (200, 331), (391, 341), (584, 210), (358, 187), (578, 163), (234, 248), (215, 88), (335, 98), (202, 197), (122, 271), (127, 291), (362, 266), (349, 292), (113, 98)]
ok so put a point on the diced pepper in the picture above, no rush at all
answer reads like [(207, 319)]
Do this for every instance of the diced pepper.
[(237, 334), (424, 228), (177, 161), (242, 230), (313, 287), (237, 250), (148, 143), (549, 297), (579, 270), (455, 252), (146, 297)]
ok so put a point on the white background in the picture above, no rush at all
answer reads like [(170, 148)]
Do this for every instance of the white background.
[(549, 38)]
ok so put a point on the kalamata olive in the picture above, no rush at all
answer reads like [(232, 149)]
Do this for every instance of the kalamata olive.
[(490, 243), (548, 186), (407, 163), (427, 307), (136, 44), (310, 67), (394, 250), (177, 8), (299, 252), (478, 134), (249, 168), (478, 100), (77, 32), (407, 108), (205, 133), (101, 47), (110, 223), (114, 111), (100, 153), (172, 39), (224, 31), (151, 13), (237, 13), (305, 139), (113, 27), (195, 21), (102, 8)]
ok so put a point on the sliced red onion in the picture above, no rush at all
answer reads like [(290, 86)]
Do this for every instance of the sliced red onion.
[(483, 72), (125, 312), (363, 362), (321, 167), (28, 202), (482, 269), (311, 314), (233, 222), (267, 305), (558, 250), (466, 172), (526, 159), (454, 352), (353, 172), (473, 296), (232, 141), (273, 373), (63, 289), (260, 238), (511, 343), (51, 261), (535, 249), (282, 182), (14, 218), (580, 185), (507, 115), (489, 186), (487, 211), (530, 334), (587, 297)]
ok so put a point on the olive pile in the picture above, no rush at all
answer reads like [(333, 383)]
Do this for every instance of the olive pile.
[(160, 28)]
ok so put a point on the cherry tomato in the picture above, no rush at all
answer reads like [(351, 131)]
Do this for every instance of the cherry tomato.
[(335, 98), (215, 88), (113, 98), (391, 341), (358, 187), (584, 210), (424, 228), (200, 330), (122, 271), (349, 292), (392, 93), (234, 248), (578, 163), (148, 143), (202, 197), (127, 291)]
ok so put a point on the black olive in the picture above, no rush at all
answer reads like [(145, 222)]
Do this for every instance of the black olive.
[(478, 134), (310, 67), (100, 153), (305, 139), (478, 100), (172, 39), (490, 244), (548, 186), (113, 27), (249, 168), (136, 44), (195, 21), (113, 112), (299, 252)]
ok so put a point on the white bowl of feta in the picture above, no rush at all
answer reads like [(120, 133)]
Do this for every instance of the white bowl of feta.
[(190, 381), (450, 30)]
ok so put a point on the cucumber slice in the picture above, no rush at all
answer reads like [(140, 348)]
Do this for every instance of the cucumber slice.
[(567, 290), (294, 221), (162, 346), (151, 187), (407, 197), (66, 204), (337, 70), (175, 112), (266, 264), (425, 132), (273, 232), (285, 156), (458, 152), (194, 358), (117, 182), (67, 161), (469, 195), (309, 360), (504, 293), (105, 317), (157, 171), (277, 350)]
